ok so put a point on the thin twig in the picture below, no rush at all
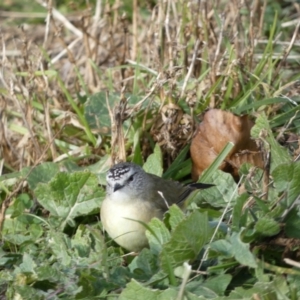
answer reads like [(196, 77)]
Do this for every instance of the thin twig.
[(286, 53), (60, 17), (134, 29), (48, 20), (188, 75)]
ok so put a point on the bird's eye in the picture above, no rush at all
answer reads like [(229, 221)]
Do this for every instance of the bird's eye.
[(131, 178)]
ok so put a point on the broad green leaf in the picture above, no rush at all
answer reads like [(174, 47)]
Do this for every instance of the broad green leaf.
[(11, 179), (153, 165), (20, 205), (91, 285), (23, 292), (49, 272), (292, 223), (224, 190), (134, 290), (17, 231), (43, 173), (159, 277), (210, 288), (286, 179), (267, 227), (68, 196), (242, 251), (60, 245), (238, 215), (157, 235), (223, 247), (98, 250), (199, 289), (262, 130), (144, 265), (96, 110), (176, 216), (120, 276), (263, 205), (275, 289), (28, 265), (186, 241), (218, 284), (6, 261), (81, 242)]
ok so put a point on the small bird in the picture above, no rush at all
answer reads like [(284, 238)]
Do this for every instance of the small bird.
[(133, 198)]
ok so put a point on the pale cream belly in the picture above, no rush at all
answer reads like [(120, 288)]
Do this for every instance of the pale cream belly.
[(129, 234)]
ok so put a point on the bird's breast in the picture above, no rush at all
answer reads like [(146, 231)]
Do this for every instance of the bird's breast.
[(120, 217)]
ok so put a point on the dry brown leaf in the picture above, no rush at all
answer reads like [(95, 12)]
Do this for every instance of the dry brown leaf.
[(214, 132)]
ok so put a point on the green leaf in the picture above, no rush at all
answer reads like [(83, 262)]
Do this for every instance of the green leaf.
[(267, 227), (81, 243), (60, 245), (120, 275), (22, 203), (68, 196), (242, 251), (238, 216), (176, 216), (200, 289), (19, 238), (223, 247), (218, 284), (144, 265), (286, 179), (292, 223), (134, 290), (18, 231), (10, 179), (96, 111), (159, 277), (51, 273), (263, 205), (43, 173), (224, 190), (153, 165), (262, 130), (275, 289), (27, 292), (157, 235), (28, 265), (186, 241)]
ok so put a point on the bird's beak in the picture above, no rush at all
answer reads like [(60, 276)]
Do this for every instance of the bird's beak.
[(117, 186)]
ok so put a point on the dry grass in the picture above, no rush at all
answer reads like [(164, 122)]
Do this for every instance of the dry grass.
[(176, 58)]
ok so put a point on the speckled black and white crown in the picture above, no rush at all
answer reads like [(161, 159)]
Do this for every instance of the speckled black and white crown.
[(119, 170)]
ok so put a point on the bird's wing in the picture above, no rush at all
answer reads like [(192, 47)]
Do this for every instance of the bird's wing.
[(173, 192)]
